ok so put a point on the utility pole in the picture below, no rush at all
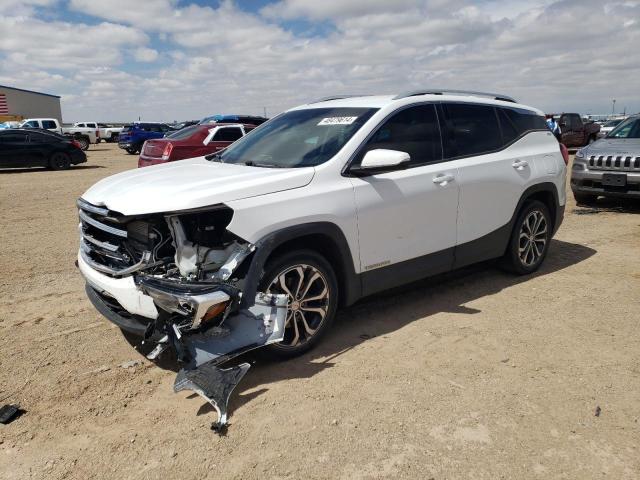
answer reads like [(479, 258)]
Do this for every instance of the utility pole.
[(613, 108), (265, 111)]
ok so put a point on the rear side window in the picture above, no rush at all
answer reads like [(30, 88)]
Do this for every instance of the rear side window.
[(48, 124), (13, 138), (183, 133), (470, 130), (40, 138), (228, 134), (515, 122), (413, 130)]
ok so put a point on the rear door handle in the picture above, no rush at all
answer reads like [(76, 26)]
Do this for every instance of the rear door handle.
[(520, 164), (443, 179)]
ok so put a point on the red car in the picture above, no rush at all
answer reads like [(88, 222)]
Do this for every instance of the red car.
[(190, 142)]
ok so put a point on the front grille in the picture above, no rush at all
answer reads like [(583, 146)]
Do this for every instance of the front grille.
[(107, 245), (619, 163)]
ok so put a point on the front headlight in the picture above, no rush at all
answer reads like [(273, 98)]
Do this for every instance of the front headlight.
[(580, 154)]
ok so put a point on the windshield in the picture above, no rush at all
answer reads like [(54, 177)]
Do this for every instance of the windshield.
[(612, 123), (630, 128), (300, 138)]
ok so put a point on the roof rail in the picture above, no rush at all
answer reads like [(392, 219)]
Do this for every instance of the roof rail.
[(335, 97), (444, 91)]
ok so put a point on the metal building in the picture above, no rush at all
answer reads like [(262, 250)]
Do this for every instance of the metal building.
[(16, 103)]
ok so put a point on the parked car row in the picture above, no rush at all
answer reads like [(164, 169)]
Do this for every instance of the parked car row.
[(39, 148), (83, 135), (108, 133)]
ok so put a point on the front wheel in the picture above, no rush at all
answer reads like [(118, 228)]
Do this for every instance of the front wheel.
[(132, 151), (312, 290), (530, 239)]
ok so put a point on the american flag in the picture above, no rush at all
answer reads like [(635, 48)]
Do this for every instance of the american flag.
[(4, 108)]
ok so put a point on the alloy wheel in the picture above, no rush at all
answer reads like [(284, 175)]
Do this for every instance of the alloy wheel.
[(308, 295), (532, 238)]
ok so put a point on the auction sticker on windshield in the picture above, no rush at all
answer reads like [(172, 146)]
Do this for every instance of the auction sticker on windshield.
[(337, 121)]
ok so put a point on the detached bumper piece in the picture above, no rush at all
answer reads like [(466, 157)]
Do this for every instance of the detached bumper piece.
[(214, 385), (260, 325)]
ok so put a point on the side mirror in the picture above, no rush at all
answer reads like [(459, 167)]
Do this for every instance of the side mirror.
[(381, 160), (563, 124)]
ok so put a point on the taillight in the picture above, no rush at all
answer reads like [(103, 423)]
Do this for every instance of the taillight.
[(97, 133), (565, 154), (167, 151), (75, 144)]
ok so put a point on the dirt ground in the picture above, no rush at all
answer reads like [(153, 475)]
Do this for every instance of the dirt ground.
[(476, 375)]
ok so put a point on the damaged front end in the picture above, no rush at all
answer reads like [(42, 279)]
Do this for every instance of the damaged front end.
[(181, 281)]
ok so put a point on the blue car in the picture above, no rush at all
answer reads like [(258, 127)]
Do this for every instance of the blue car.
[(133, 136)]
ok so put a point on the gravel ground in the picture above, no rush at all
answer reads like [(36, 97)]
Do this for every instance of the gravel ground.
[(475, 375)]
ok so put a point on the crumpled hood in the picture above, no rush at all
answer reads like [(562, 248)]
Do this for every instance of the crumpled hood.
[(192, 183), (614, 146)]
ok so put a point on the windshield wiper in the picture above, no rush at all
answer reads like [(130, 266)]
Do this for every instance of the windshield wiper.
[(251, 163), (216, 157)]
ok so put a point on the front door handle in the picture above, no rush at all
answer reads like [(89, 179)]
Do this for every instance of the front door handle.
[(443, 179), (520, 164)]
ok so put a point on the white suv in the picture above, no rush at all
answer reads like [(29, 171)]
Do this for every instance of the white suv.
[(322, 205)]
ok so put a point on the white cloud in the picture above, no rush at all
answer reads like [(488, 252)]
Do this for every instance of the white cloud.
[(562, 55), (332, 9), (29, 42), (144, 54)]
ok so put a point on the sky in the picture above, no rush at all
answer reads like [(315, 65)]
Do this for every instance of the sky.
[(165, 60)]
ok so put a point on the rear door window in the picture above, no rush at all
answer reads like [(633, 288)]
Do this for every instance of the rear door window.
[(515, 122), (47, 124), (470, 129), (227, 134), (41, 138)]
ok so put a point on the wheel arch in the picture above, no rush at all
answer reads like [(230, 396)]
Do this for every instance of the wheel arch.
[(324, 238), (546, 193)]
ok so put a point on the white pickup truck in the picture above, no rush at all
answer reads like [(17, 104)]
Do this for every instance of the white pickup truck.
[(84, 136), (108, 133)]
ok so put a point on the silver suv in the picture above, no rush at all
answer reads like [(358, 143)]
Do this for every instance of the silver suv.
[(609, 167)]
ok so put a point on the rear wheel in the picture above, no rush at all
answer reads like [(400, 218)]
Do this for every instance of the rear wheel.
[(59, 161), (530, 239), (312, 289), (585, 198), (84, 142)]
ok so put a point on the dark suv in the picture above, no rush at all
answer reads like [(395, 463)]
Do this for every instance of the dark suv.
[(133, 136)]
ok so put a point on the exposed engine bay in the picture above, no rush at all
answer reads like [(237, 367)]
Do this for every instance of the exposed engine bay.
[(180, 281)]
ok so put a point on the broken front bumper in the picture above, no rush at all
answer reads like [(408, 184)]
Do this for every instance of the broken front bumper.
[(157, 310)]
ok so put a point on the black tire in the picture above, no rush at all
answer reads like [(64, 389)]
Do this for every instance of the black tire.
[(585, 199), (59, 161), (132, 151), (113, 138), (84, 142), (529, 241), (300, 320)]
